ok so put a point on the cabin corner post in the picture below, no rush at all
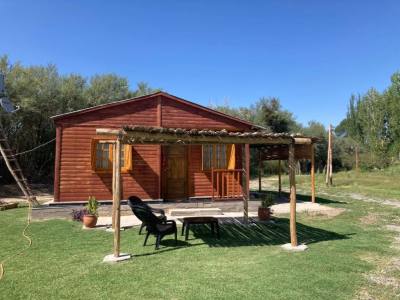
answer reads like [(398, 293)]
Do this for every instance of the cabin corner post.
[(57, 163), (117, 196), (312, 174), (292, 181)]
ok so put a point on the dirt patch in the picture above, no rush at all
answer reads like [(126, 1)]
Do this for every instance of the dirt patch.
[(328, 213), (370, 219), (311, 209), (11, 193)]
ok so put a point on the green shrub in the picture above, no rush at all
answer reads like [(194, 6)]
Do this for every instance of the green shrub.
[(92, 206), (267, 200)]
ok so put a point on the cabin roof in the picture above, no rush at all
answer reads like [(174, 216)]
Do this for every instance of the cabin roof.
[(140, 98)]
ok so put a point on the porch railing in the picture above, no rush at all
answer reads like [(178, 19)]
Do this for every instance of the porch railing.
[(226, 184)]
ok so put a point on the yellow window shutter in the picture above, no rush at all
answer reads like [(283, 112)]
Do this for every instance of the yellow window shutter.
[(231, 155), (128, 158)]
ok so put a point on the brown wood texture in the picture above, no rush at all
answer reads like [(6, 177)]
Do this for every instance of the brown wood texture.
[(292, 183), (280, 177), (76, 178), (176, 172), (281, 152), (312, 174), (117, 198), (57, 164), (226, 184)]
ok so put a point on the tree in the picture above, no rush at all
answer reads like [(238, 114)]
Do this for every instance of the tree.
[(41, 92)]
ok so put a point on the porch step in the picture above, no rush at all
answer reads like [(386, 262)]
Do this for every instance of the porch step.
[(178, 212)]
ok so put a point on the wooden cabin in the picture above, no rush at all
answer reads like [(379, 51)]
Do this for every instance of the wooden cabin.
[(83, 163)]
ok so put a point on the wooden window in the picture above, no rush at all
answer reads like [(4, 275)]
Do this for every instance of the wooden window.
[(218, 157), (102, 156)]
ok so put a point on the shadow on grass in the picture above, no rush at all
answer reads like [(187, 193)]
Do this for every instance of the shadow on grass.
[(300, 197), (166, 245), (235, 234)]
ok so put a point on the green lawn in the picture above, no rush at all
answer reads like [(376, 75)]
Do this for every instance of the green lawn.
[(246, 263)]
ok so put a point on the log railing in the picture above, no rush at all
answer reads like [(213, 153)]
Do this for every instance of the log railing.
[(226, 184)]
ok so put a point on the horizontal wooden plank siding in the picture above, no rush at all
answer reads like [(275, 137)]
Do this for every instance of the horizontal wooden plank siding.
[(76, 179), (179, 115)]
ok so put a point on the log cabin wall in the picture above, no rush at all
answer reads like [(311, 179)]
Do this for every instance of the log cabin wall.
[(75, 180)]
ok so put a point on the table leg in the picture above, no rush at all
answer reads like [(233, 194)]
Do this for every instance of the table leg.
[(183, 228), (217, 229), (187, 231), (212, 228)]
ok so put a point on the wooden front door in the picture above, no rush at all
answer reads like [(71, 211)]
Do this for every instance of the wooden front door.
[(176, 172)]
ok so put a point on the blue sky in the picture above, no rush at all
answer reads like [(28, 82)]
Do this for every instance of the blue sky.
[(311, 54)]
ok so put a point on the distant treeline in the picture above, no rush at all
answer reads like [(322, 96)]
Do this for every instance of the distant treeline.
[(372, 125)]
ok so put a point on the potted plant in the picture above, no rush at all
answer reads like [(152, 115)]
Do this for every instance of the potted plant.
[(90, 213), (264, 210)]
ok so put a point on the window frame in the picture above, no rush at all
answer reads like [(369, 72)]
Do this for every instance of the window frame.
[(128, 164), (230, 157)]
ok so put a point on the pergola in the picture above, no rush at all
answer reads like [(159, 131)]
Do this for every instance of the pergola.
[(303, 149), (164, 136)]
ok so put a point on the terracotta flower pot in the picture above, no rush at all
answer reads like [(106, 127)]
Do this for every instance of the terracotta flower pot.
[(264, 213), (90, 221)]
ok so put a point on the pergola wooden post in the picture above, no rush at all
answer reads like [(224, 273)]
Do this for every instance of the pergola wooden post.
[(292, 182), (260, 170), (312, 174), (117, 197), (279, 179), (114, 173), (245, 183)]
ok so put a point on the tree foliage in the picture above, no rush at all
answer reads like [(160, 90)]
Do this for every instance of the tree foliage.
[(41, 92), (373, 124)]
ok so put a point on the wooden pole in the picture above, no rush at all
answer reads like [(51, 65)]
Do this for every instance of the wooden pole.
[(279, 178), (114, 173), (117, 197), (259, 170), (245, 182), (312, 174), (328, 179), (331, 155), (357, 158), (292, 181)]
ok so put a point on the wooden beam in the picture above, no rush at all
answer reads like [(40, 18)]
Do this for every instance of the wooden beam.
[(259, 170), (139, 137), (357, 158), (328, 179), (279, 178), (117, 197), (292, 181), (302, 140), (245, 181), (114, 174), (312, 174), (57, 164)]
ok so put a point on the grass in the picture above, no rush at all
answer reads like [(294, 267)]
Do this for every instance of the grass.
[(246, 263)]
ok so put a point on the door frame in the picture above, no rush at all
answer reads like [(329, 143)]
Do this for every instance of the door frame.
[(164, 172)]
